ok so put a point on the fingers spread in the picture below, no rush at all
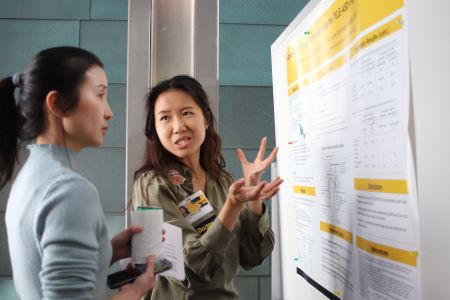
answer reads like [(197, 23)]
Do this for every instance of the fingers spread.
[(241, 155), (272, 156), (262, 148)]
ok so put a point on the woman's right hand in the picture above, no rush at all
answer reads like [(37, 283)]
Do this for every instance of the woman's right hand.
[(140, 286)]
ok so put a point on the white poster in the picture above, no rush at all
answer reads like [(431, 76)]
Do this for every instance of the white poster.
[(341, 99)]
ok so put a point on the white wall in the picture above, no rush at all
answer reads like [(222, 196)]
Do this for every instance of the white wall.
[(429, 37)]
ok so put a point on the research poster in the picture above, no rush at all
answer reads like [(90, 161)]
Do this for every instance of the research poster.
[(349, 202)]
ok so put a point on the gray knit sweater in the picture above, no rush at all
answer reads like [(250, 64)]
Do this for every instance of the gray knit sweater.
[(57, 236)]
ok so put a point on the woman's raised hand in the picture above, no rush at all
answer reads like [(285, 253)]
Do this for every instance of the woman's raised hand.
[(252, 170)]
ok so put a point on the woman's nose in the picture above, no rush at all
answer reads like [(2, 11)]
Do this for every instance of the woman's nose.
[(178, 125), (108, 112)]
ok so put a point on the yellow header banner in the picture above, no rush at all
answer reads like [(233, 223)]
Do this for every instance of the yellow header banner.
[(376, 35), (335, 30), (305, 190), (399, 255), (392, 186), (337, 231)]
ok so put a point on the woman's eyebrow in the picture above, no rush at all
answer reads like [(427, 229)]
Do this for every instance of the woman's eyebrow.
[(101, 85), (181, 109), (163, 112)]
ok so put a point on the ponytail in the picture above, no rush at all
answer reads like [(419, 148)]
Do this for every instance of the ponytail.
[(8, 130)]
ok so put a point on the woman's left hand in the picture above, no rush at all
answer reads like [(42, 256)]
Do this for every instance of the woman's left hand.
[(252, 170), (121, 243)]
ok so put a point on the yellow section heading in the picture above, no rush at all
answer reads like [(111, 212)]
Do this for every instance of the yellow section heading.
[(399, 255), (337, 231), (377, 35), (392, 186), (305, 190)]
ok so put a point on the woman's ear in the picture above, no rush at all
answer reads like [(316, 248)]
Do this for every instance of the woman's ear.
[(52, 104)]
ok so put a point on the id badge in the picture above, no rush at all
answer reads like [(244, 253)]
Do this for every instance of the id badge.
[(195, 207)]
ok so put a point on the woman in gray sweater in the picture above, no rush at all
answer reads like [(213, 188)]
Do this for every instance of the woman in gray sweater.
[(57, 235)]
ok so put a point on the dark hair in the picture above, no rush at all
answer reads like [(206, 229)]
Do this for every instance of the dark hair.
[(157, 158), (61, 69)]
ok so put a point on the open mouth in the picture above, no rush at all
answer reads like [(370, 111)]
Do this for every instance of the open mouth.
[(182, 142)]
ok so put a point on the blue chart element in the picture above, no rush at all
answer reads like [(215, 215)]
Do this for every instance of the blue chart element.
[(302, 131)]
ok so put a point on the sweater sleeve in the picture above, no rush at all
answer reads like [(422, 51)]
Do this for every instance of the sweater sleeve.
[(203, 254), (67, 231), (257, 239)]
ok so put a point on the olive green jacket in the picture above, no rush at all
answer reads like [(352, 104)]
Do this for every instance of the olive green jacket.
[(212, 259)]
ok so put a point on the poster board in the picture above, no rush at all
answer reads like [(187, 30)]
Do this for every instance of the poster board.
[(348, 212)]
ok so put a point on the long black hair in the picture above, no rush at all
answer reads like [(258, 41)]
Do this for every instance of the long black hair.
[(60, 69), (157, 158)]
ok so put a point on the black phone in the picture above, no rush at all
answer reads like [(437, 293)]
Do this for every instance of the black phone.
[(116, 280), (129, 275)]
